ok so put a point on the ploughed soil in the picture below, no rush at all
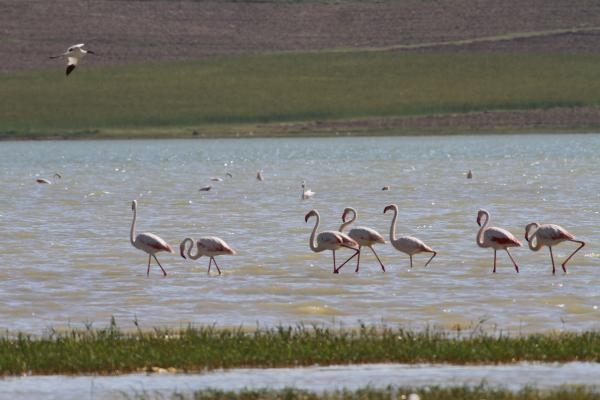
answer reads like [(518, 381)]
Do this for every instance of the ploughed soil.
[(141, 31)]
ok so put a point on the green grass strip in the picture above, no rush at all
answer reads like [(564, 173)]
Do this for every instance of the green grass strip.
[(290, 87), (108, 351)]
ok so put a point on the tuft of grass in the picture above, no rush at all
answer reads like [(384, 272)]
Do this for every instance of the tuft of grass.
[(109, 351), (288, 87)]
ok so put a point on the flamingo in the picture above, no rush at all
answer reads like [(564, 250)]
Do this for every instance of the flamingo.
[(148, 242), (550, 235), (259, 176), (494, 237), (329, 240), (210, 246), (407, 244), (306, 193), (74, 54), (361, 235)]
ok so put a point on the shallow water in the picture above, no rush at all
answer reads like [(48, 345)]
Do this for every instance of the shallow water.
[(67, 261), (317, 379)]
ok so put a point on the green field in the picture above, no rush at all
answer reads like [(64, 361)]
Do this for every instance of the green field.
[(228, 93), (110, 351)]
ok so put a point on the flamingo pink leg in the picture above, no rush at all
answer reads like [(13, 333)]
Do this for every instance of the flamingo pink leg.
[(428, 261), (336, 271), (161, 267), (552, 258), (513, 260), (378, 259), (213, 259), (581, 244), (358, 260), (149, 258)]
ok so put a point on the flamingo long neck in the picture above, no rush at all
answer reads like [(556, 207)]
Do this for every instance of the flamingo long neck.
[(482, 229), (190, 247), (533, 237), (345, 224), (132, 233), (311, 243), (393, 225)]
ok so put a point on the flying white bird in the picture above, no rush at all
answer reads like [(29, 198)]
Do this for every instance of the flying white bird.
[(73, 54)]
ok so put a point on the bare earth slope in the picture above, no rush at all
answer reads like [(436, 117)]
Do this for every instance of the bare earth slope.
[(130, 31)]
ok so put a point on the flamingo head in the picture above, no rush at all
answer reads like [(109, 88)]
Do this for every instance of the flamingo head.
[(390, 207), (309, 214), (182, 249), (345, 213), (528, 228), (480, 215)]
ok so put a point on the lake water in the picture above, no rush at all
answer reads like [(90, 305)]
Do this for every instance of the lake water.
[(66, 260), (316, 379)]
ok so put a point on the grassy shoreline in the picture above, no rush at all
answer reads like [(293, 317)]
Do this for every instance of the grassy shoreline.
[(112, 351), (307, 94)]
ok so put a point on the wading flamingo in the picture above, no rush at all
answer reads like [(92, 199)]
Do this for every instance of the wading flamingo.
[(407, 244), (361, 235), (494, 237), (148, 242), (74, 54), (210, 246), (329, 240), (550, 235)]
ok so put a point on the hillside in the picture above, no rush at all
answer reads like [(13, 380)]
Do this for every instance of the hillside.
[(130, 31)]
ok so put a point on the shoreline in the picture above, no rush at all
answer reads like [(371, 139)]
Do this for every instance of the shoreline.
[(536, 121)]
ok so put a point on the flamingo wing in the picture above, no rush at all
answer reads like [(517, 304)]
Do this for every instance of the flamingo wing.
[(151, 243), (365, 236), (554, 233), (214, 245), (500, 238), (330, 239)]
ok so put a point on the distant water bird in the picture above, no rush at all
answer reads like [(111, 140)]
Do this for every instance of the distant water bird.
[(259, 176), (362, 235), (329, 240), (494, 237), (210, 246), (148, 242), (46, 181), (407, 244), (216, 179), (470, 174), (386, 187), (306, 193), (74, 54), (205, 188), (550, 235)]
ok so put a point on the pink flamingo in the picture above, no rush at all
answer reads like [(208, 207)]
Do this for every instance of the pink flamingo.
[(210, 246), (361, 235), (550, 235), (494, 237), (148, 242), (407, 244), (329, 240)]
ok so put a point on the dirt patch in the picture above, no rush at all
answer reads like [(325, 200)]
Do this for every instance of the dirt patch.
[(152, 31)]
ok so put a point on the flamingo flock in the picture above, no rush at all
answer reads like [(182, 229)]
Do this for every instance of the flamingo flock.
[(537, 235)]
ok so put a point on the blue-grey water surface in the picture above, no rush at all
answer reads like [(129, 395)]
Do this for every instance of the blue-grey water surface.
[(66, 260)]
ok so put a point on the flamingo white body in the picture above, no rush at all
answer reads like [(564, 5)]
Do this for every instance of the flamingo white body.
[(362, 235), (210, 246), (407, 244), (494, 237), (306, 193), (550, 235), (148, 242), (329, 240), (74, 54)]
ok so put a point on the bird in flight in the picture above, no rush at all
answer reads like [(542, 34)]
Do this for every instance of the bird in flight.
[(73, 54)]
